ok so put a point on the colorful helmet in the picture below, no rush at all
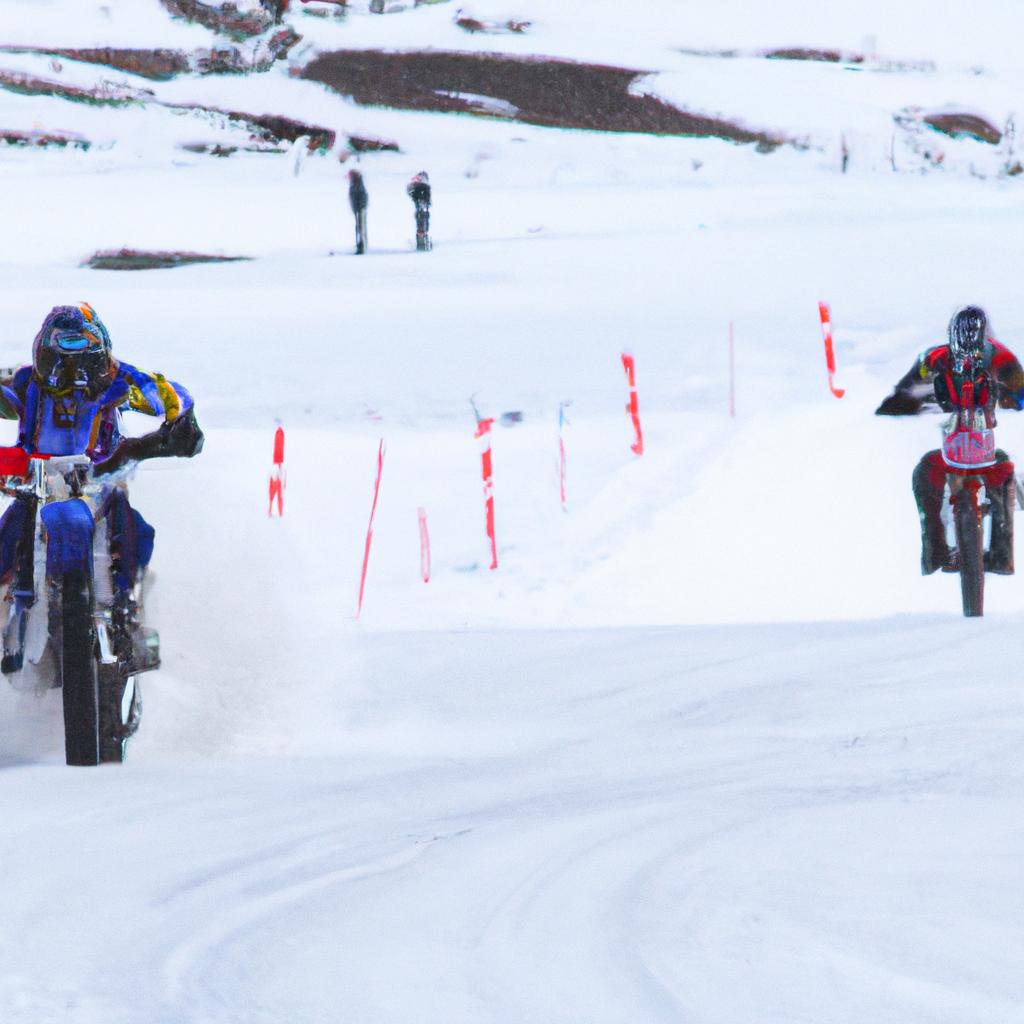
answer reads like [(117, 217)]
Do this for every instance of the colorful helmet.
[(968, 335), (72, 350)]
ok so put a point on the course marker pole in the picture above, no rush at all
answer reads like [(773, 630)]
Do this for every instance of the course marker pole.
[(369, 530), (830, 356), (561, 454), (629, 365), (483, 435), (424, 545), (278, 476), (732, 373)]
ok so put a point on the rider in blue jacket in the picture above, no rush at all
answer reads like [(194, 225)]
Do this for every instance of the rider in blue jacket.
[(69, 402)]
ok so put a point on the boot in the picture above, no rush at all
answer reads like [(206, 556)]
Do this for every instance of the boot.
[(935, 552), (999, 557)]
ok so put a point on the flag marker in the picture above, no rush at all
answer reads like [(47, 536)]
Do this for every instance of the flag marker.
[(629, 365), (369, 530), (562, 421), (278, 476), (483, 435), (830, 356), (424, 545)]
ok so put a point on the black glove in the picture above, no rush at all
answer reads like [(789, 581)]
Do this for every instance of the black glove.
[(181, 437), (899, 403)]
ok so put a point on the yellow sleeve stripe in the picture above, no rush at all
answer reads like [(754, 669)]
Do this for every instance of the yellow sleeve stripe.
[(137, 400), (172, 403)]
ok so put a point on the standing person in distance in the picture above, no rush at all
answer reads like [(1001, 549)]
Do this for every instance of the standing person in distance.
[(358, 200), (419, 192)]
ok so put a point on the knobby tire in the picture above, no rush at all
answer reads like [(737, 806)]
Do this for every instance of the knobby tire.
[(79, 676), (970, 545)]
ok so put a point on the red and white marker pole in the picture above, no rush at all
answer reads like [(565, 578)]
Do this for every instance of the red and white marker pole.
[(629, 365), (830, 355), (278, 476), (424, 545), (561, 455), (369, 530), (483, 434), (732, 373)]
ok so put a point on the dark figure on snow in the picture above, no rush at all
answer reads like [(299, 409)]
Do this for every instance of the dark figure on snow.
[(936, 380), (358, 200), (419, 193), (278, 8)]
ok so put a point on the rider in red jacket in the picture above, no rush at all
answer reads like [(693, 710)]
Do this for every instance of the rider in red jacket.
[(936, 380)]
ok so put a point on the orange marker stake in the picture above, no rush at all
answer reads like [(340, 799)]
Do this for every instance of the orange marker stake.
[(278, 476), (830, 356), (629, 365), (424, 545), (369, 529)]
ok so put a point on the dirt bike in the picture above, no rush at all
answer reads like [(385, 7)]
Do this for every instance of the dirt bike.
[(67, 625), (972, 464)]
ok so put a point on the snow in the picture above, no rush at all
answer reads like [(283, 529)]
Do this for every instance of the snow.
[(706, 746)]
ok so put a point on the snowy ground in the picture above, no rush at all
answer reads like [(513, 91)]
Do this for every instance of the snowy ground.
[(705, 747)]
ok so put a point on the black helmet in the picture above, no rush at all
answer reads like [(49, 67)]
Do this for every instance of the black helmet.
[(72, 350), (968, 335)]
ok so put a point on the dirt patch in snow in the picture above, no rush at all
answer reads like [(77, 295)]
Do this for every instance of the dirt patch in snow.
[(44, 140), (137, 259), (960, 125), (541, 91), (162, 65), (225, 18), (104, 95)]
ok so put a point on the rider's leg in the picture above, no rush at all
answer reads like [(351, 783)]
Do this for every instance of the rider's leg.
[(999, 486), (929, 481)]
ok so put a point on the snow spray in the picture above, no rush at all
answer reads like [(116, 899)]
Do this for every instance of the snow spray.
[(277, 474), (830, 356), (629, 365), (483, 435), (424, 545), (369, 530)]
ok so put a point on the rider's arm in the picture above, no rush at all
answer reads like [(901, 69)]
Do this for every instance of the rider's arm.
[(155, 395), (1009, 375), (915, 389)]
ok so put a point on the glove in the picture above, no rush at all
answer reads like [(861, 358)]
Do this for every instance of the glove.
[(899, 403), (181, 437)]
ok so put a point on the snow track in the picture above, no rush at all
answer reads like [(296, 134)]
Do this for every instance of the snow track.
[(796, 829)]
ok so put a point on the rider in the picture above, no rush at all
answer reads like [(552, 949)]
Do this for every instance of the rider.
[(69, 401), (936, 379)]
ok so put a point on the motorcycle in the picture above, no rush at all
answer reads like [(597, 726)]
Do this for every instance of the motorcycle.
[(972, 465), (67, 624)]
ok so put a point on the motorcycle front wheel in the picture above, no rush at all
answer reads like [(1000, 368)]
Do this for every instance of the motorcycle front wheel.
[(78, 670), (967, 522)]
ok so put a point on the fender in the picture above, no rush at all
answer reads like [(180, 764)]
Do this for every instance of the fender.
[(69, 533)]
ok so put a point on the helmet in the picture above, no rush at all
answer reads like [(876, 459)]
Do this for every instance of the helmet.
[(968, 335), (72, 350)]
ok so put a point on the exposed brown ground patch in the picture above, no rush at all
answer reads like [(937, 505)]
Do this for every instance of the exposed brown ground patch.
[(543, 91), (225, 18), (29, 85), (137, 259), (158, 65), (958, 125), (58, 140), (162, 65)]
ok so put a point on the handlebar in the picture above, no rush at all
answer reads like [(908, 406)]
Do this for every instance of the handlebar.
[(37, 475)]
